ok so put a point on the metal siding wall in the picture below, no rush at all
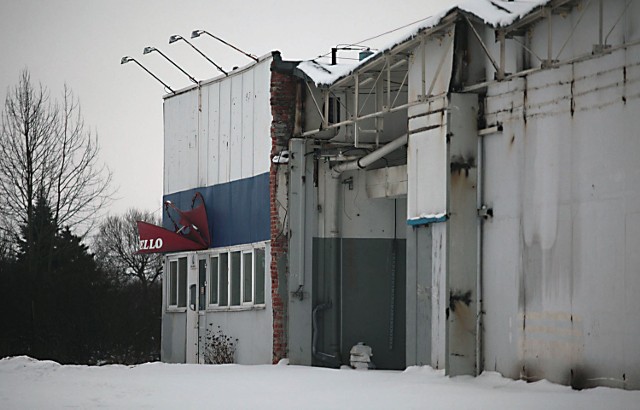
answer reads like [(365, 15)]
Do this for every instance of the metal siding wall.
[(213, 161), (235, 142), (560, 255), (427, 162), (174, 334), (367, 218), (224, 164), (502, 238), (302, 216), (262, 119), (230, 157), (181, 139), (419, 296), (203, 140), (461, 284), (248, 135), (238, 211), (427, 150)]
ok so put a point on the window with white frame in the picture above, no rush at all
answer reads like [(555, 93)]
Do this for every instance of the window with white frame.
[(177, 295), (237, 277)]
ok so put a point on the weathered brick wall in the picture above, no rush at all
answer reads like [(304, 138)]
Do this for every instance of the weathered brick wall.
[(283, 104)]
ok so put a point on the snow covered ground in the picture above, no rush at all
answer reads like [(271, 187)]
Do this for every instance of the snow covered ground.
[(26, 383)]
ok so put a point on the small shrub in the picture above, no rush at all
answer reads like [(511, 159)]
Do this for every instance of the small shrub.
[(218, 347)]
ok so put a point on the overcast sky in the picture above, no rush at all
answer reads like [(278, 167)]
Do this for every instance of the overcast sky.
[(81, 42)]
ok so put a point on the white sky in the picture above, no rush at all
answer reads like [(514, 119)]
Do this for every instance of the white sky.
[(80, 42)]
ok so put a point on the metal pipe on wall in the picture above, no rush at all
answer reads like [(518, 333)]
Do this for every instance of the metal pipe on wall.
[(479, 204), (370, 158)]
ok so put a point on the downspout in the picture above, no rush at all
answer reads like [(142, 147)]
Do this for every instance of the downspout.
[(369, 158), (480, 221)]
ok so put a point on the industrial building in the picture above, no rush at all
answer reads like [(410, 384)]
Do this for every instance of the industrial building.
[(467, 198)]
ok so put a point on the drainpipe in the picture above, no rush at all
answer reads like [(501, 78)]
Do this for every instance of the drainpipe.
[(479, 205), (333, 228), (370, 158)]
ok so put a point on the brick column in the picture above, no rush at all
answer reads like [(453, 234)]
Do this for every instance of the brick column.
[(283, 104)]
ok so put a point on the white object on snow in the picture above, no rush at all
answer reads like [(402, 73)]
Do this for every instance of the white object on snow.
[(361, 356)]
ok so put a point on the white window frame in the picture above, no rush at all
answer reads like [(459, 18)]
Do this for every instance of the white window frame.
[(210, 258), (243, 249), (181, 286), (243, 274)]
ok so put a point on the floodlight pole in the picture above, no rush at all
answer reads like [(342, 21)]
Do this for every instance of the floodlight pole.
[(197, 33), (127, 59), (148, 50), (176, 37)]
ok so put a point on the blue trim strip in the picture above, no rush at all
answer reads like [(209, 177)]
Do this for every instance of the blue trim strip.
[(238, 211), (427, 221)]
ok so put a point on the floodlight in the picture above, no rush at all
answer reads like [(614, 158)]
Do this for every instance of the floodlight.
[(147, 50), (177, 37), (127, 59), (197, 33)]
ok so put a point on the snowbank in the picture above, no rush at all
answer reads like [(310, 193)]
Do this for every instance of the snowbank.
[(28, 383)]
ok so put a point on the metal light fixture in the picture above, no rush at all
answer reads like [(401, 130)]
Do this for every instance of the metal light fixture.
[(197, 33), (177, 37), (148, 50), (127, 59)]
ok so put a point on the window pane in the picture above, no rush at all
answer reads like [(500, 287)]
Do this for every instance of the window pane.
[(202, 280), (260, 276), (235, 278), (213, 281), (182, 282), (173, 283), (224, 279), (247, 277)]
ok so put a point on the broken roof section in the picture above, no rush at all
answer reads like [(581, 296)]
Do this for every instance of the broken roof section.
[(495, 13)]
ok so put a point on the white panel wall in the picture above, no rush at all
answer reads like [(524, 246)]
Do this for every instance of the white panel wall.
[(427, 162), (213, 135), (181, 142), (262, 118), (235, 143), (229, 139), (224, 137), (559, 258), (247, 125), (423, 67), (430, 68)]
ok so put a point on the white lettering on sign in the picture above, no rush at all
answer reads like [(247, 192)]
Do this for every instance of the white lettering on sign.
[(150, 244)]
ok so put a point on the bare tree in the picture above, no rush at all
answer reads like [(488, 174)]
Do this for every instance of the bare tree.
[(116, 243), (48, 161), (46, 152)]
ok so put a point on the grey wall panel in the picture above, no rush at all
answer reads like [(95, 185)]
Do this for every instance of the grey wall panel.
[(253, 329), (174, 337), (419, 296), (373, 289)]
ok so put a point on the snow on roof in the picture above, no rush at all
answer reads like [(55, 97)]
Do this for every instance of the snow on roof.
[(494, 13)]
